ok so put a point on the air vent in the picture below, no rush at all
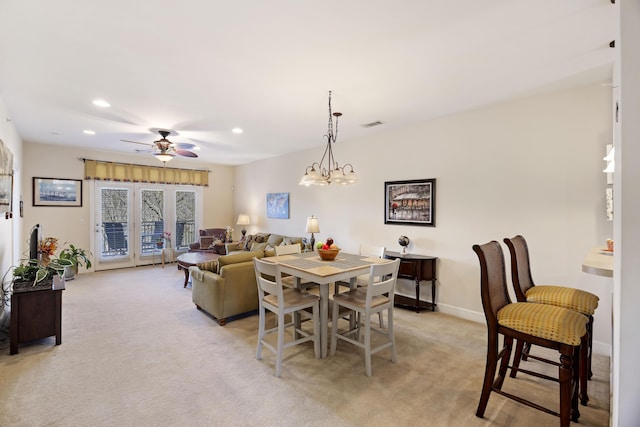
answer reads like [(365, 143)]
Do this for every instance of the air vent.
[(372, 124)]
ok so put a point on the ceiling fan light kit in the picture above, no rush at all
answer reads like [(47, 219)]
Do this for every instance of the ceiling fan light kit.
[(166, 150), (320, 174)]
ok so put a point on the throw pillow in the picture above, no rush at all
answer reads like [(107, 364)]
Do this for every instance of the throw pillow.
[(274, 239), (269, 250), (209, 265), (247, 243), (256, 246)]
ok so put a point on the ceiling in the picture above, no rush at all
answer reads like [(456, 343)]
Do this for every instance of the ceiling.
[(203, 67)]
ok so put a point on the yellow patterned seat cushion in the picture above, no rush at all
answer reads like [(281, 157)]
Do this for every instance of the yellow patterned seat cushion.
[(574, 299), (544, 321)]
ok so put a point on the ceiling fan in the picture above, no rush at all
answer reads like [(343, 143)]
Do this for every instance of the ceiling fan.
[(165, 150)]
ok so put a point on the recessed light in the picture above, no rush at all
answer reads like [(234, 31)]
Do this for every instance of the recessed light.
[(101, 103), (237, 130), (89, 132)]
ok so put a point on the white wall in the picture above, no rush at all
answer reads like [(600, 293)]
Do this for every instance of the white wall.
[(9, 228), (626, 343), (72, 224), (530, 167)]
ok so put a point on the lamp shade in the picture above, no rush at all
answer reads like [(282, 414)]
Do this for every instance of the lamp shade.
[(164, 157), (312, 225), (243, 219)]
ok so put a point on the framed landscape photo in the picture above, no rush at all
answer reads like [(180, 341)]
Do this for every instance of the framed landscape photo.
[(278, 205), (410, 202), (57, 192)]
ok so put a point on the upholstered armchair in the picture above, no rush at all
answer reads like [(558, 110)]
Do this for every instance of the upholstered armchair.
[(210, 240)]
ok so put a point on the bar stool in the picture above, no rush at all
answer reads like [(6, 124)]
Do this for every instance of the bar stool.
[(545, 325), (560, 296)]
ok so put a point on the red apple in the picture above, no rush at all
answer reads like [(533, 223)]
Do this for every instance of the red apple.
[(325, 247)]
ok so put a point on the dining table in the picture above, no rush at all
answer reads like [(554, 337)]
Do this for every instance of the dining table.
[(309, 267)]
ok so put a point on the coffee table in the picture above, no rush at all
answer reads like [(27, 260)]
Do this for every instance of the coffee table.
[(192, 258)]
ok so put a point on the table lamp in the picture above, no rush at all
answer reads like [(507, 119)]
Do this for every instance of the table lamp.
[(243, 219), (313, 227)]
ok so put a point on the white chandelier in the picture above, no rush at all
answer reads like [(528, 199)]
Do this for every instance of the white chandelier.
[(321, 174)]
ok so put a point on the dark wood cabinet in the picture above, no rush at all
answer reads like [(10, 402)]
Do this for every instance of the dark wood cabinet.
[(417, 268), (36, 314)]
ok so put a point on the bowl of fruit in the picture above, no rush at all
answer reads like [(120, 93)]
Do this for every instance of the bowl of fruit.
[(328, 251)]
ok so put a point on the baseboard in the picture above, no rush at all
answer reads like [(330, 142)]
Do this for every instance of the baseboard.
[(462, 313)]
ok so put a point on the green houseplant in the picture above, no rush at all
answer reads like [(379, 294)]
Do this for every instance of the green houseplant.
[(36, 272), (77, 256)]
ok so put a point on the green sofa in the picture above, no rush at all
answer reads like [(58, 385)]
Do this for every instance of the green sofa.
[(227, 287)]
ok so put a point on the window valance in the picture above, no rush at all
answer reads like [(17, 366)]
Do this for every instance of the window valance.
[(125, 172)]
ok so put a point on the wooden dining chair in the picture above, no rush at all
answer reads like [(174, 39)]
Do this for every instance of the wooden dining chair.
[(288, 281), (366, 301), (362, 281), (560, 296), (274, 297), (545, 325)]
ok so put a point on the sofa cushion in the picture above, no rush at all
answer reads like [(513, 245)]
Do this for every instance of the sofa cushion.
[(275, 239), (206, 241), (238, 257)]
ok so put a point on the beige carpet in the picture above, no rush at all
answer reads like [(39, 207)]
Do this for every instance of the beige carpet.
[(135, 351)]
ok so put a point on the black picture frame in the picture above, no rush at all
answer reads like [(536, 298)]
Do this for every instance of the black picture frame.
[(57, 192), (411, 202)]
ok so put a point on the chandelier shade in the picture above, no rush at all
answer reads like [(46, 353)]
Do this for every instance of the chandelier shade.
[(328, 170), (164, 157)]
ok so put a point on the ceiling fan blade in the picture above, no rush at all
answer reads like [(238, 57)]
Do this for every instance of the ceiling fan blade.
[(136, 142), (184, 145), (144, 150), (186, 153)]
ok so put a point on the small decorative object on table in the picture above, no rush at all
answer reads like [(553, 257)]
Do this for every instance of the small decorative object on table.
[(404, 242), (328, 254)]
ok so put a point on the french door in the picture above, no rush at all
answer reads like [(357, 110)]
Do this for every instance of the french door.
[(134, 222)]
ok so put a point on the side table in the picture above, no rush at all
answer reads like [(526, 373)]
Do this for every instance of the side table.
[(418, 268), (36, 314), (168, 255)]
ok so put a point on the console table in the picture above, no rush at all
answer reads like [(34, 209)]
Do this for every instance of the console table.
[(418, 268), (36, 314)]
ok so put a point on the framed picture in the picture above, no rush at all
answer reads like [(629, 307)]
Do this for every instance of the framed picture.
[(6, 180), (278, 205), (57, 192), (6, 194), (410, 202)]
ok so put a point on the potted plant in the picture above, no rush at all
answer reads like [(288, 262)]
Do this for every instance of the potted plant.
[(35, 273), (77, 256)]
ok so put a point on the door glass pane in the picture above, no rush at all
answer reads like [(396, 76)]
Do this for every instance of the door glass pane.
[(115, 222), (185, 218), (152, 217)]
